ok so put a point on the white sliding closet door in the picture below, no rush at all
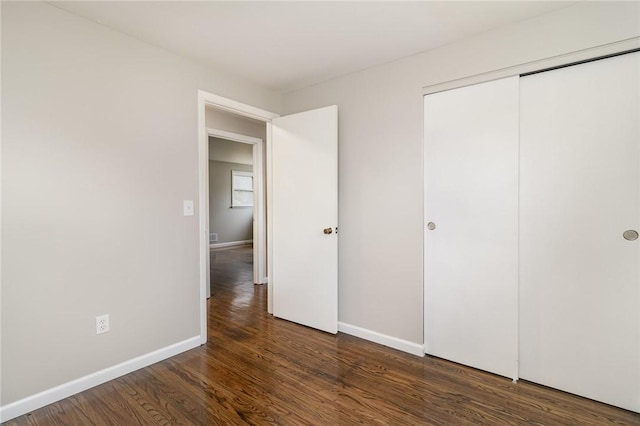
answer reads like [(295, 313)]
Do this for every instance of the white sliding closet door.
[(471, 184), (579, 192)]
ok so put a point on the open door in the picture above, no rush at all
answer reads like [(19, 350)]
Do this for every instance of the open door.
[(304, 209)]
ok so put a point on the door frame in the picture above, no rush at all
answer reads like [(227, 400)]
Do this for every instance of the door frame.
[(210, 100), (259, 217)]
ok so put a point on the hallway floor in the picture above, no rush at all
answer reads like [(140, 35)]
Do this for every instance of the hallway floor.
[(231, 267)]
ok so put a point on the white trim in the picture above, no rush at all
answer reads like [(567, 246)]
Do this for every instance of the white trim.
[(230, 244), (203, 212), (269, 148), (390, 341), (236, 107), (527, 67), (230, 136), (49, 396), (259, 212)]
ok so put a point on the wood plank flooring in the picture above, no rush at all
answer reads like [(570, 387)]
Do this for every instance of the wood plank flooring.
[(259, 370)]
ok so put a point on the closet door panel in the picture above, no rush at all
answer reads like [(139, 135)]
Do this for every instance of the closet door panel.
[(579, 192), (471, 160)]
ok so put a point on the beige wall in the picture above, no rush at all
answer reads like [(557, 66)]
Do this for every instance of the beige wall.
[(99, 148), (380, 151), (222, 120), (231, 224), (229, 151)]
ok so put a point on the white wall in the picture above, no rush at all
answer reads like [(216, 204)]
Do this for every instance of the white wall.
[(100, 147), (380, 151)]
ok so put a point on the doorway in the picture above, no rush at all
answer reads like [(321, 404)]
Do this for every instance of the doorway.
[(291, 142), (232, 197), (226, 119), (239, 210)]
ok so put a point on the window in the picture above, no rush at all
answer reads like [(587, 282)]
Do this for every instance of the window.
[(241, 188)]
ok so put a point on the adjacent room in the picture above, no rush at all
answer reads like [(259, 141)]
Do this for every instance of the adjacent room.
[(320, 213), (230, 208)]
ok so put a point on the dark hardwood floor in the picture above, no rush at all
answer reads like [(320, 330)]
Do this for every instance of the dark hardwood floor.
[(259, 370)]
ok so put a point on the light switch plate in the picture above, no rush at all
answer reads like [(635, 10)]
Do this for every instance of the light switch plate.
[(187, 207)]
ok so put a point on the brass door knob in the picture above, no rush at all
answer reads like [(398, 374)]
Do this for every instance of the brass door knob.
[(327, 231)]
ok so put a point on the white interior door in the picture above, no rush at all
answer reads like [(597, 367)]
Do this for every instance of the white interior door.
[(580, 191), (304, 208), (471, 184)]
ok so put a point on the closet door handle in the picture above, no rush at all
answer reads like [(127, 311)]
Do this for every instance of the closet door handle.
[(630, 235), (431, 226)]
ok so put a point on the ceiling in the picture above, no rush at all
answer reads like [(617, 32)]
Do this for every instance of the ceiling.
[(289, 45)]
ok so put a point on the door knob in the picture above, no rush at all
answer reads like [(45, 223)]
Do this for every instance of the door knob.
[(431, 226), (630, 235), (327, 231)]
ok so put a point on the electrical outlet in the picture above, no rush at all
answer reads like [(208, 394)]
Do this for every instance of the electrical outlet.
[(102, 324)]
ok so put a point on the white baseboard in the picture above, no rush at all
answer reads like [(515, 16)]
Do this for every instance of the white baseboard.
[(230, 244), (49, 396), (383, 339)]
